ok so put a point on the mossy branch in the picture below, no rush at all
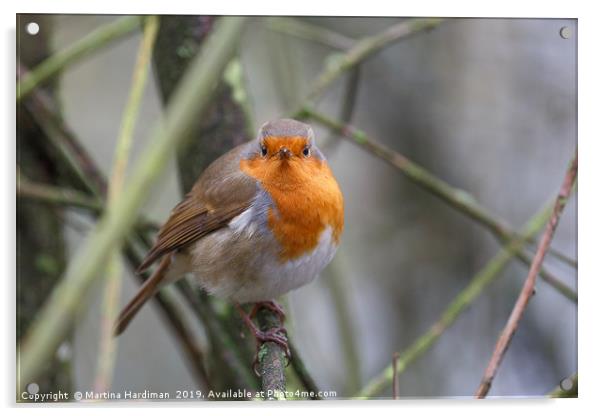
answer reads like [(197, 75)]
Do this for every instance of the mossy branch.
[(271, 359), (192, 97)]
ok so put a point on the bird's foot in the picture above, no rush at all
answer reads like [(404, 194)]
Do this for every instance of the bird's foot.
[(277, 335)]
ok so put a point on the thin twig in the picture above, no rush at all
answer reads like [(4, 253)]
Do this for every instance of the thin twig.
[(395, 386), (60, 60), (67, 197), (55, 195), (529, 285), (457, 198), (309, 31), (368, 46), (112, 290), (42, 108), (192, 97), (464, 299), (564, 258), (347, 106), (552, 280)]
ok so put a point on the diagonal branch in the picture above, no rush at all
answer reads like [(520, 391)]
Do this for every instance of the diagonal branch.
[(55, 195), (464, 299), (457, 198), (367, 47), (527, 291)]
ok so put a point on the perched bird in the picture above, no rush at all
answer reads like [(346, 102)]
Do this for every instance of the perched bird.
[(261, 220)]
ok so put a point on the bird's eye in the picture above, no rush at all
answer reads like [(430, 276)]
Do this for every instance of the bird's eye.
[(264, 150), (306, 152)]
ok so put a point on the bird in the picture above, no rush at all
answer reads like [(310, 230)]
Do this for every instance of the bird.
[(263, 219)]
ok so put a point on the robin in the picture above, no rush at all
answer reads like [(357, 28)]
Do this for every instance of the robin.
[(261, 220)]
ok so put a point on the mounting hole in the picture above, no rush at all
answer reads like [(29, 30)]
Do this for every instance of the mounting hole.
[(566, 384), (565, 32), (33, 388), (32, 28)]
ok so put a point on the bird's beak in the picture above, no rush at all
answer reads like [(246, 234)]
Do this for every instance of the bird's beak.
[(284, 153)]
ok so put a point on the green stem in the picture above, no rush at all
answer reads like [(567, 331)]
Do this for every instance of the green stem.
[(55, 195), (56, 63), (191, 98), (304, 30), (464, 299), (367, 47), (110, 309)]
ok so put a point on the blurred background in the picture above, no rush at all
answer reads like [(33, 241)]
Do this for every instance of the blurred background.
[(488, 105)]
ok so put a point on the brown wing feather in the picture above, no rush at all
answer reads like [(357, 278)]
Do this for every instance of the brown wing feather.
[(221, 193)]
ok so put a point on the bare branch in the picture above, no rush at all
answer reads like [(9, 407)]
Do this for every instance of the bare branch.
[(529, 285)]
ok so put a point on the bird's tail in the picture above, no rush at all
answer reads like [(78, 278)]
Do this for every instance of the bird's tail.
[(147, 291)]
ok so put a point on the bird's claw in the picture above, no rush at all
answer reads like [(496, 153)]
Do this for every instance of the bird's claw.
[(277, 336)]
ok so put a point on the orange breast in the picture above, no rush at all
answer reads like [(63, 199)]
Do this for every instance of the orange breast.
[(307, 198)]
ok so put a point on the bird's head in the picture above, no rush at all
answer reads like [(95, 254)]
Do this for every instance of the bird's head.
[(286, 141)]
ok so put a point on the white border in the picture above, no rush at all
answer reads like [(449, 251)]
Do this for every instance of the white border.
[(589, 208)]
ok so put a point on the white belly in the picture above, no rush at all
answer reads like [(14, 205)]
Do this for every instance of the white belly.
[(240, 265), (278, 278)]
